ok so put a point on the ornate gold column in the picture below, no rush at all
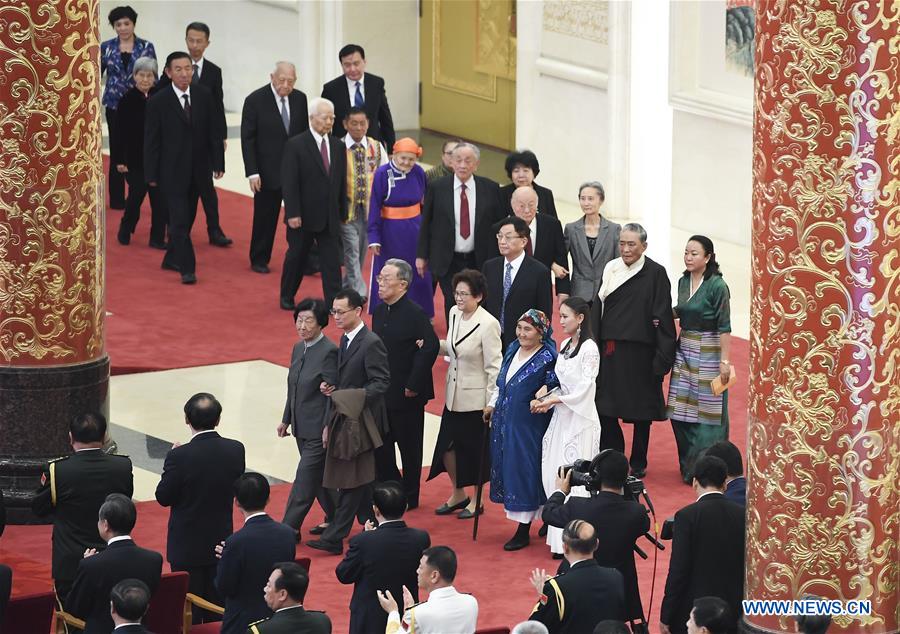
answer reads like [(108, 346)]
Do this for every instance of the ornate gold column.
[(824, 431), (52, 358)]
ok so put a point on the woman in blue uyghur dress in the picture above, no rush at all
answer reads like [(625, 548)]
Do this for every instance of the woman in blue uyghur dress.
[(516, 433), (395, 215)]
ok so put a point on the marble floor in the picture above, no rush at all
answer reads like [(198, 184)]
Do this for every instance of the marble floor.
[(146, 412)]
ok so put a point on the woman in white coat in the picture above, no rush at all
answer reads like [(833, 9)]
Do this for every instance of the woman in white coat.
[(574, 430), (473, 345)]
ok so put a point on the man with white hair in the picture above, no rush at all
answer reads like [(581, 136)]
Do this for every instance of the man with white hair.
[(264, 133), (313, 177)]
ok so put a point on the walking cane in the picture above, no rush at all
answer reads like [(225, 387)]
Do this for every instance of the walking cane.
[(480, 487)]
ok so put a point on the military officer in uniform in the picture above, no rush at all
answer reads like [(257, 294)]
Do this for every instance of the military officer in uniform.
[(284, 592), (73, 488), (586, 594)]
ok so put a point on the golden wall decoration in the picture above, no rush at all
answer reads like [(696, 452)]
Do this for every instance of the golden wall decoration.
[(495, 38), (582, 19), (453, 69), (824, 431), (51, 213)]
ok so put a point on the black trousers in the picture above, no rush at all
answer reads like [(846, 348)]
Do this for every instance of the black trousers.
[(5, 589), (180, 250), (349, 504), (611, 437), (407, 431), (206, 193), (202, 583), (300, 241), (308, 484), (266, 209), (115, 182), (137, 191), (459, 262)]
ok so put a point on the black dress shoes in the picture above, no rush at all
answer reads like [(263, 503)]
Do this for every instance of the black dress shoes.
[(318, 530), (447, 509), (124, 235), (188, 278), (170, 267), (287, 304), (331, 549), (639, 473), (219, 239), (259, 268), (156, 244)]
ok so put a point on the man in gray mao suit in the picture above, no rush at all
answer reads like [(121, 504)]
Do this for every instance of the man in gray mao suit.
[(313, 362)]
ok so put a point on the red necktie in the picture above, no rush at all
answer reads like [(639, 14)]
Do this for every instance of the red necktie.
[(528, 247), (324, 151), (464, 230)]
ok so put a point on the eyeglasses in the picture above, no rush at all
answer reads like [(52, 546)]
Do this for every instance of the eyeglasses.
[(463, 294), (503, 237), (334, 312), (384, 278)]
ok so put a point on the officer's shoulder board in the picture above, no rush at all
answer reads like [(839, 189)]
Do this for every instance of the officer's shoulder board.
[(253, 625), (119, 455)]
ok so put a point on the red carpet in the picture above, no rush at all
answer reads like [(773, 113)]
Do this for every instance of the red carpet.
[(232, 315)]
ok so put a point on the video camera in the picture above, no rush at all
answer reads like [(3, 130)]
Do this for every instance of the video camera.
[(584, 474)]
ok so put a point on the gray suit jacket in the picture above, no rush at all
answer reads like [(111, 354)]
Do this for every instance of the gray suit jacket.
[(587, 269), (305, 407), (365, 365)]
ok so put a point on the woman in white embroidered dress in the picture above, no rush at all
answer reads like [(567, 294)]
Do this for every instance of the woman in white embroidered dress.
[(574, 430)]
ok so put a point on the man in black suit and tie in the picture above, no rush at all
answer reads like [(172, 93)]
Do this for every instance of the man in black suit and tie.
[(362, 364), (619, 523), (707, 550), (183, 151), (546, 243), (382, 558), (128, 602), (313, 362), (412, 348), (73, 489), (364, 90), (272, 114), (197, 483), (284, 594), (458, 217), (575, 601), (99, 572), (735, 482), (248, 556), (516, 281), (313, 182)]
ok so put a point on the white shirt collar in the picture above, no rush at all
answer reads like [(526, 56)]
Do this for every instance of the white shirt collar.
[(287, 99), (290, 607), (119, 538), (310, 344), (470, 184), (205, 431), (354, 332), (126, 624), (252, 515), (440, 593), (318, 137), (515, 263), (198, 63), (578, 561), (388, 522), (709, 493), (179, 93), (348, 140), (88, 449), (351, 85)]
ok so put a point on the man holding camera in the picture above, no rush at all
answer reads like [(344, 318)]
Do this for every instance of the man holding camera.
[(619, 522)]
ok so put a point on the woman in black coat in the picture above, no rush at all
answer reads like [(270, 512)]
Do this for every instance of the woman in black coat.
[(522, 168), (127, 154)]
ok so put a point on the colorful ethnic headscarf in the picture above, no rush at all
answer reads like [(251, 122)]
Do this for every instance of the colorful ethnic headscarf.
[(539, 320)]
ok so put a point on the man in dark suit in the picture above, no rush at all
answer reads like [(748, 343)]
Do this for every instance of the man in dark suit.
[(208, 75), (707, 550), (313, 179), (735, 482), (516, 281), (313, 362), (128, 602), (412, 348), (248, 556), (183, 150), (619, 523), (458, 217), (382, 558), (73, 489), (362, 364), (575, 601), (197, 483), (284, 593), (272, 114), (364, 90), (545, 239), (99, 572), (635, 331)]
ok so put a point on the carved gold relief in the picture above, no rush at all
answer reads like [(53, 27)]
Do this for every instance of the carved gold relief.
[(460, 79), (824, 430), (51, 275), (582, 19), (495, 48)]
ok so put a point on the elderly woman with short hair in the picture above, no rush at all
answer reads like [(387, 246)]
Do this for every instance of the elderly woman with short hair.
[(522, 168), (591, 241), (127, 155), (117, 58)]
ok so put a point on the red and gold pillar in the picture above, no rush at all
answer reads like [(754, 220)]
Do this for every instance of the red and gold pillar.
[(824, 431), (52, 358)]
